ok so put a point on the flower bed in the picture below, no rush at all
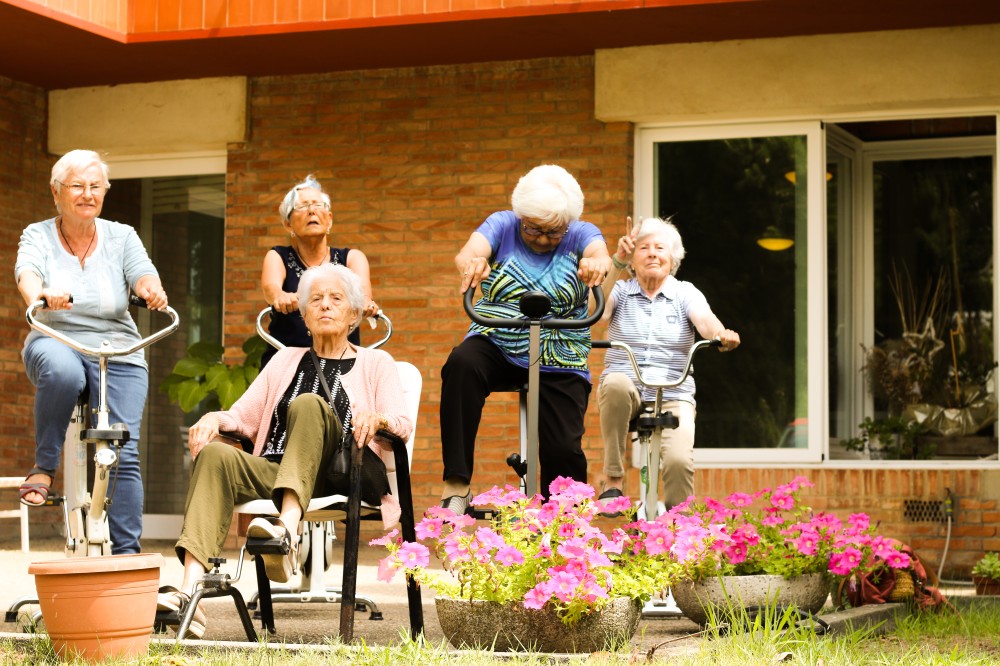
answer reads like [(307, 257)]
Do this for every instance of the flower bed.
[(549, 553)]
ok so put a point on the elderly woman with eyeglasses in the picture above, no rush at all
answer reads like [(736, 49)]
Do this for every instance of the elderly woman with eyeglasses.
[(305, 215), (84, 267), (539, 245), (657, 315)]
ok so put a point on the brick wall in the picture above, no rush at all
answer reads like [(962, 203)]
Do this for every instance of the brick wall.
[(24, 198), (414, 159)]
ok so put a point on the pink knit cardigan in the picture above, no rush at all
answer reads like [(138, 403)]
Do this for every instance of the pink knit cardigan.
[(372, 385)]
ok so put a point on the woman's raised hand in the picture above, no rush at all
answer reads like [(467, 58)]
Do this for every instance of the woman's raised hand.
[(626, 244)]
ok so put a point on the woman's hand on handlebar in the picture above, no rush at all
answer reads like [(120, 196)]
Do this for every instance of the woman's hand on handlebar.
[(56, 299), (593, 270), (202, 432), (152, 292), (475, 271), (286, 302), (730, 339)]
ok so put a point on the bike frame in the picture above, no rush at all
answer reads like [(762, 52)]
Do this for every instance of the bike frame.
[(651, 420), (85, 513)]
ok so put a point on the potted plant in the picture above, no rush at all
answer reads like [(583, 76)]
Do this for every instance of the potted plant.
[(549, 557), (202, 375), (755, 549), (541, 575), (986, 574), (935, 381)]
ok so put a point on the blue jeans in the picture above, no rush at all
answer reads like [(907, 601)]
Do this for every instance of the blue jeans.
[(60, 375)]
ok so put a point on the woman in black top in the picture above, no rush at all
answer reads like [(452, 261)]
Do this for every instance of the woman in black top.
[(305, 214)]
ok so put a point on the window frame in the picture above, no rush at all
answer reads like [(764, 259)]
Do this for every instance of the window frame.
[(646, 136)]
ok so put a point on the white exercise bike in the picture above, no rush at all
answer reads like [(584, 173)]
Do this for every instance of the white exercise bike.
[(651, 421), (85, 512)]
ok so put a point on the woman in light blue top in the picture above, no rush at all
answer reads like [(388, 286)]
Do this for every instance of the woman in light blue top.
[(84, 267)]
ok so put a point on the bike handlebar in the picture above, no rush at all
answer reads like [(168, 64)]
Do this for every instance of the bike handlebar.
[(277, 344), (105, 349), (608, 344), (525, 322)]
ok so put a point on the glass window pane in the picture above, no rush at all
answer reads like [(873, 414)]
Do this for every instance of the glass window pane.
[(840, 302), (933, 285), (740, 205)]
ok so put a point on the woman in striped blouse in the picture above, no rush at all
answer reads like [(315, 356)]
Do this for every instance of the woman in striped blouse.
[(657, 315)]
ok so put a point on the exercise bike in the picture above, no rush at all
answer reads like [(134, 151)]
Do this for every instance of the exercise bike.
[(534, 305), (85, 513), (651, 421)]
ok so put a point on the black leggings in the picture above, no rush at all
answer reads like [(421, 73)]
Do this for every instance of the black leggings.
[(476, 368)]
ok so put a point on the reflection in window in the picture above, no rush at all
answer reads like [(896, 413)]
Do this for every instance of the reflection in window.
[(725, 196), (933, 290)]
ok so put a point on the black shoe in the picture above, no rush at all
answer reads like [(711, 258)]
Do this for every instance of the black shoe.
[(459, 504), (609, 494)]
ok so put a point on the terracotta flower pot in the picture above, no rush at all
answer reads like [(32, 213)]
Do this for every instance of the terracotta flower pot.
[(99, 607), (807, 593), (512, 627)]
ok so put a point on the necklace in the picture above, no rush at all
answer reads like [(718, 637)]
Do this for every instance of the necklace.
[(324, 258), (72, 249)]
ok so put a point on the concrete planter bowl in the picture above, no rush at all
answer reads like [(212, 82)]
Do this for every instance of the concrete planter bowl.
[(512, 627), (99, 608), (807, 593)]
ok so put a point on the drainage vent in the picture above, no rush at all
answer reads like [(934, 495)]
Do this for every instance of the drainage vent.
[(923, 511)]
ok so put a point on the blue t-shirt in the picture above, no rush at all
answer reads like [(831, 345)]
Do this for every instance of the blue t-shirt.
[(516, 269)]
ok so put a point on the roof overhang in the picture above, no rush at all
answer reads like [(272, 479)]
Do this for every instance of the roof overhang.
[(42, 50)]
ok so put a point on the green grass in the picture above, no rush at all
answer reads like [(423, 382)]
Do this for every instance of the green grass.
[(970, 637)]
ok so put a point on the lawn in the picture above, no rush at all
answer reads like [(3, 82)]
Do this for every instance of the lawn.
[(971, 636)]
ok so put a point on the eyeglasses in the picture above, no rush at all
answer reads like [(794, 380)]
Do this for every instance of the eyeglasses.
[(309, 205), (532, 232), (80, 188)]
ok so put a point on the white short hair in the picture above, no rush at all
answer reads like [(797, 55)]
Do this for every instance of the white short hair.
[(351, 283), (76, 161), (666, 229), (548, 193), (287, 204)]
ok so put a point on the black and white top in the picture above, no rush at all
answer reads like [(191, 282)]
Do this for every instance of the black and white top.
[(307, 381)]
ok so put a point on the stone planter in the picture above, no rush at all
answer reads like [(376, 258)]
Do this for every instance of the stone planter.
[(512, 627), (99, 608), (807, 593)]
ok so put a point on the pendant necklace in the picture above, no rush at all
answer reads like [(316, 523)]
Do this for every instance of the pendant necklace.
[(73, 249)]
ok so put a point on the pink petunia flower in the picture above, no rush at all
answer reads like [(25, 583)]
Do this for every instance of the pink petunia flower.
[(384, 540), (509, 556), (413, 555)]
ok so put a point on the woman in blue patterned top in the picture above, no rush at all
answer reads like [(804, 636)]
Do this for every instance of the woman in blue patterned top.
[(539, 245), (305, 214), (656, 315)]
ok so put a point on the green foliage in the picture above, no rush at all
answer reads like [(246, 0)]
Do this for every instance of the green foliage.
[(892, 438), (202, 376), (988, 567)]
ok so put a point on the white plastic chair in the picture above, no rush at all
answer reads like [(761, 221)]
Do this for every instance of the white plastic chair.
[(316, 544)]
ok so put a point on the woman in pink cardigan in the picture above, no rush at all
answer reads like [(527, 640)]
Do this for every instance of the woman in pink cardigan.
[(295, 423)]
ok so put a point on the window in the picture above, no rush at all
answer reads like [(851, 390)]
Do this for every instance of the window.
[(895, 226), (748, 212), (181, 221)]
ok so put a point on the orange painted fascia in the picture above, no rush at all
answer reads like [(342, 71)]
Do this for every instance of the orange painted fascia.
[(69, 19)]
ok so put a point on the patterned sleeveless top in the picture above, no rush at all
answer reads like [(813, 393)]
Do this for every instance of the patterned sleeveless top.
[(290, 329)]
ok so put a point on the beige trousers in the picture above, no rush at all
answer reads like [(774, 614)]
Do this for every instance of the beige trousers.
[(619, 402), (225, 476)]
